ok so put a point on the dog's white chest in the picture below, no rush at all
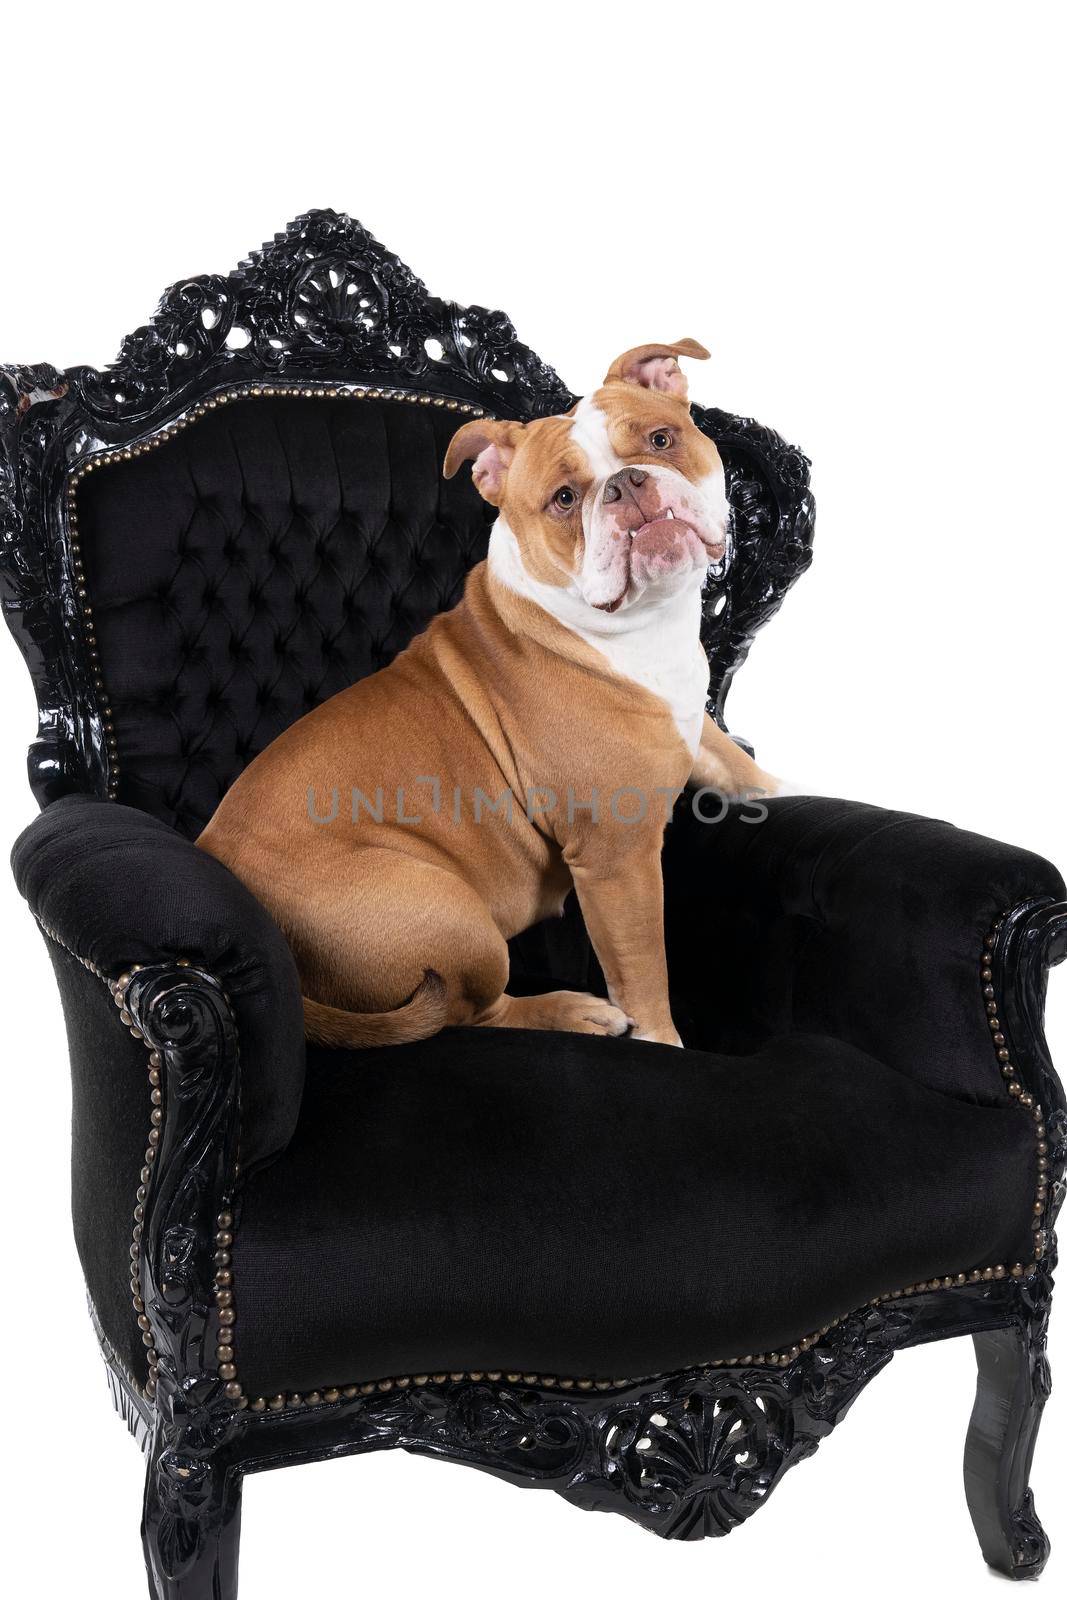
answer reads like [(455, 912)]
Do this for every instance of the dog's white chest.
[(658, 647), (667, 658)]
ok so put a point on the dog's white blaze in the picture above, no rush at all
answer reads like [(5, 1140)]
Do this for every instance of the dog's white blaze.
[(589, 430), (601, 571), (655, 641)]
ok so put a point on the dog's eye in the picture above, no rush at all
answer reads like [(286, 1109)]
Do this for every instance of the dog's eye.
[(565, 498), (661, 439)]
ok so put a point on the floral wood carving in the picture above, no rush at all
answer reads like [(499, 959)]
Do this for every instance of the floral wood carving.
[(773, 526), (186, 1022), (319, 300)]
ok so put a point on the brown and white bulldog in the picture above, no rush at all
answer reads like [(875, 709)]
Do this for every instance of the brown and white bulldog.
[(530, 741)]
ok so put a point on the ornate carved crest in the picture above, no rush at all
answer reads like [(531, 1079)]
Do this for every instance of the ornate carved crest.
[(322, 300)]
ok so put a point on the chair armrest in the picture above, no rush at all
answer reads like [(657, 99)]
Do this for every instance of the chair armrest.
[(118, 887), (834, 917)]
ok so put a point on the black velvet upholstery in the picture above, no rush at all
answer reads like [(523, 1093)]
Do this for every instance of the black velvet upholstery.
[(255, 564), (835, 917), (580, 1206), (108, 1130), (120, 887)]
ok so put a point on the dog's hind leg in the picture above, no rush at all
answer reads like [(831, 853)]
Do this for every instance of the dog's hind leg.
[(566, 1010), (388, 933)]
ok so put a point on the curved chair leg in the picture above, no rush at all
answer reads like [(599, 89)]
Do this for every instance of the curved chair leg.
[(191, 1526), (1000, 1447)]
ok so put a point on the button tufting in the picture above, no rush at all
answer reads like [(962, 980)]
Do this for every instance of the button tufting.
[(269, 578)]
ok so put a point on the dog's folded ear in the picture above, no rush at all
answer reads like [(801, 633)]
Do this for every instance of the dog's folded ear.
[(491, 446), (655, 366)]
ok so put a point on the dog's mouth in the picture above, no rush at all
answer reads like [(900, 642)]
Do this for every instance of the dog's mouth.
[(663, 540), (670, 522), (671, 526)]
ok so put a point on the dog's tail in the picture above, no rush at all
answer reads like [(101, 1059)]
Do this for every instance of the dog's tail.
[(420, 1016)]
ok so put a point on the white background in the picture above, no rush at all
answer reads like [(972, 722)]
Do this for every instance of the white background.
[(858, 209)]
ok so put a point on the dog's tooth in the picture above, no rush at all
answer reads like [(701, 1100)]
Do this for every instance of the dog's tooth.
[(670, 513)]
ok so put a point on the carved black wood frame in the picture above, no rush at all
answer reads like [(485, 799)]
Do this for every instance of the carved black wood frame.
[(687, 1454)]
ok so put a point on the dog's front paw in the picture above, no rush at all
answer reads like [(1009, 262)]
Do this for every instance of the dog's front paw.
[(782, 786), (586, 1013), (660, 1036)]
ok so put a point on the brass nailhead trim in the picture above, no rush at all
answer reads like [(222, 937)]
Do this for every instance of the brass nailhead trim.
[(110, 458), (1022, 1097), (774, 1358), (118, 987), (51, 933), (223, 1281), (353, 1391)]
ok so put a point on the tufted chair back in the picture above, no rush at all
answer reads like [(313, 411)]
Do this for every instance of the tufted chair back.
[(254, 563)]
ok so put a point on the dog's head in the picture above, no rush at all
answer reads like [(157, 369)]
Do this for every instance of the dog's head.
[(620, 497)]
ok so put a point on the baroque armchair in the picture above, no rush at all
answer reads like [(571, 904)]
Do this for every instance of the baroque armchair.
[(450, 1247)]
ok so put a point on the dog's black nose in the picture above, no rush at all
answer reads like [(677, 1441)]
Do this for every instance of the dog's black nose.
[(626, 478)]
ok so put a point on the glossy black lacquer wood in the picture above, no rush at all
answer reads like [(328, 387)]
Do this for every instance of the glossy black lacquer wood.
[(192, 1491), (1012, 1389), (321, 304), (1013, 1370)]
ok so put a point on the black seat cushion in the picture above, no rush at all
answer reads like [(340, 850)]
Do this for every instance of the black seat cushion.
[(575, 1206), (264, 558)]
